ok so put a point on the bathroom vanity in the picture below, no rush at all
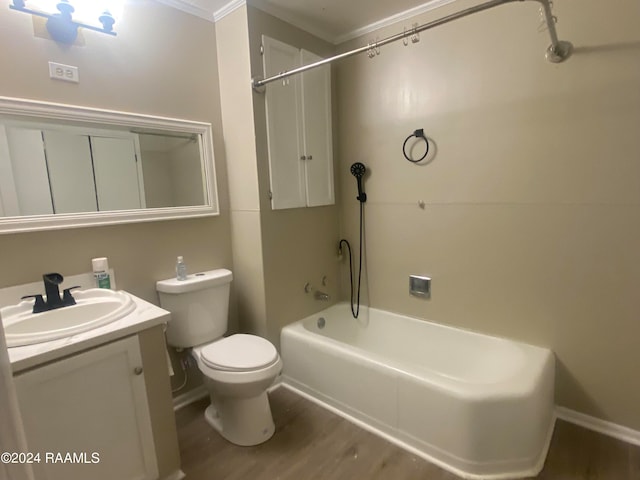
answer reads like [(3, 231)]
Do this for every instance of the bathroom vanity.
[(98, 404)]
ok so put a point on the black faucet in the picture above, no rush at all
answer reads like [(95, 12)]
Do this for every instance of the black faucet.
[(52, 292)]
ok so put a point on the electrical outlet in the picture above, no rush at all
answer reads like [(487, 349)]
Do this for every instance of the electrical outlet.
[(66, 73)]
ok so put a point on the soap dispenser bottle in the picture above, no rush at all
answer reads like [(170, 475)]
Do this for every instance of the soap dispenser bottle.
[(181, 269)]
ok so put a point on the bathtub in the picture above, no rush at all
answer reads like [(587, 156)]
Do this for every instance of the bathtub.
[(478, 406)]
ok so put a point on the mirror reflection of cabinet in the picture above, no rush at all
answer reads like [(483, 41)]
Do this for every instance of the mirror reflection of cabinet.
[(70, 171), (68, 163), (171, 170), (117, 172), (163, 168), (24, 184), (298, 129)]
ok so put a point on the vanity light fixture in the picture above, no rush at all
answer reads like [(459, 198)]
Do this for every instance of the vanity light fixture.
[(61, 25)]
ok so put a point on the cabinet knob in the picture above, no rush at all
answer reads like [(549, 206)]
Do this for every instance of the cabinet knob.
[(138, 370), (303, 157), (310, 157)]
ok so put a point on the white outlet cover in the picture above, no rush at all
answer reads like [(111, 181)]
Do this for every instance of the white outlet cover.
[(66, 73)]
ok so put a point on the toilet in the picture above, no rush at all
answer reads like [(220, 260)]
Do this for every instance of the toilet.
[(237, 370)]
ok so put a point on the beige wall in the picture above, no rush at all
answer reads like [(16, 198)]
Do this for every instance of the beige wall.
[(163, 62), (237, 116), (530, 229), (298, 245)]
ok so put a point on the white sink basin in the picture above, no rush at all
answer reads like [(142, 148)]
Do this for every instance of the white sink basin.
[(94, 308)]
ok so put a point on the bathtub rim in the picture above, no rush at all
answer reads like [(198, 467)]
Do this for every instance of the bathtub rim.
[(518, 385), (444, 326)]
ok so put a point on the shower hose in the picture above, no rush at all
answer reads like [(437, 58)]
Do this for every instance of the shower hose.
[(355, 292)]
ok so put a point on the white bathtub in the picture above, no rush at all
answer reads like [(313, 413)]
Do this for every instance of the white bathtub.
[(478, 406)]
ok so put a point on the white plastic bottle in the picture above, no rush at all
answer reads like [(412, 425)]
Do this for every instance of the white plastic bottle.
[(101, 272), (181, 269)]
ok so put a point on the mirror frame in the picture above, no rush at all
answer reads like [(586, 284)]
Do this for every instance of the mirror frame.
[(47, 111)]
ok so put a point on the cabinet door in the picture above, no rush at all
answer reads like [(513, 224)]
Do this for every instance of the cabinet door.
[(25, 177), (118, 178), (92, 402), (284, 127), (70, 172), (318, 145)]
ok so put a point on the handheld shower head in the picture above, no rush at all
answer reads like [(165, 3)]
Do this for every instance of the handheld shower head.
[(358, 170)]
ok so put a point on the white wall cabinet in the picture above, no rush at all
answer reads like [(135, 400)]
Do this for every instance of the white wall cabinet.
[(299, 135), (92, 402)]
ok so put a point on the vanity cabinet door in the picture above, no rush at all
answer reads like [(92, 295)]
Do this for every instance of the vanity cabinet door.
[(87, 404)]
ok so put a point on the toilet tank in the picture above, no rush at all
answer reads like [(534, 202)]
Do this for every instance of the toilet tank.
[(199, 307)]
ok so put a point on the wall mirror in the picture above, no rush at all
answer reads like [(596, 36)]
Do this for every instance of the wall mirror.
[(64, 166)]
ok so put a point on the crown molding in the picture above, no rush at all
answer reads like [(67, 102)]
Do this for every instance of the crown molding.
[(189, 8), (293, 19), (230, 7), (386, 22)]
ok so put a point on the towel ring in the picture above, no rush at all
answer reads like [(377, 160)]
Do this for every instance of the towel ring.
[(418, 134)]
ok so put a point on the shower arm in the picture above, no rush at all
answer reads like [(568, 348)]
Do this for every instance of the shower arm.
[(557, 52)]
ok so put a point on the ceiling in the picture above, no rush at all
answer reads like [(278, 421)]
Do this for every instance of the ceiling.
[(332, 20)]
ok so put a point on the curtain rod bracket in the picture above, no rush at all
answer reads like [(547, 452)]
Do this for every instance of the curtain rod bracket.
[(257, 85), (560, 52)]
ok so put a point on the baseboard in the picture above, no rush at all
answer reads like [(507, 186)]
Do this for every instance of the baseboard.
[(177, 475), (189, 397), (276, 384), (610, 429)]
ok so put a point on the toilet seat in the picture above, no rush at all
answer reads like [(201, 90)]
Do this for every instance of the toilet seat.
[(239, 353)]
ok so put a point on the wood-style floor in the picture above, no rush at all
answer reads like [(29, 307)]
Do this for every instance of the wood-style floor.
[(312, 443)]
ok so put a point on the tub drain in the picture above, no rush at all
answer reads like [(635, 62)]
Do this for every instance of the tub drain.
[(321, 323)]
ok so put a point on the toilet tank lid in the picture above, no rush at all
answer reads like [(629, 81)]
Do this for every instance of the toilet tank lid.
[(195, 281)]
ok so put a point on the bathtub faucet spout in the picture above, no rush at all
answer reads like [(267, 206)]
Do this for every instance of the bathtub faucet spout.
[(323, 297)]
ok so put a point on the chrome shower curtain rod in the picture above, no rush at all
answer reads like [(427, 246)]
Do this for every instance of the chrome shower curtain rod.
[(557, 52)]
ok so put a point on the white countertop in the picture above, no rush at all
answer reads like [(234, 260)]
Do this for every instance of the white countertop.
[(146, 315)]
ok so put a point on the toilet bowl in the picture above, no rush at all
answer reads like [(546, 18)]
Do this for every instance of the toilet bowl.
[(237, 372), (237, 369)]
